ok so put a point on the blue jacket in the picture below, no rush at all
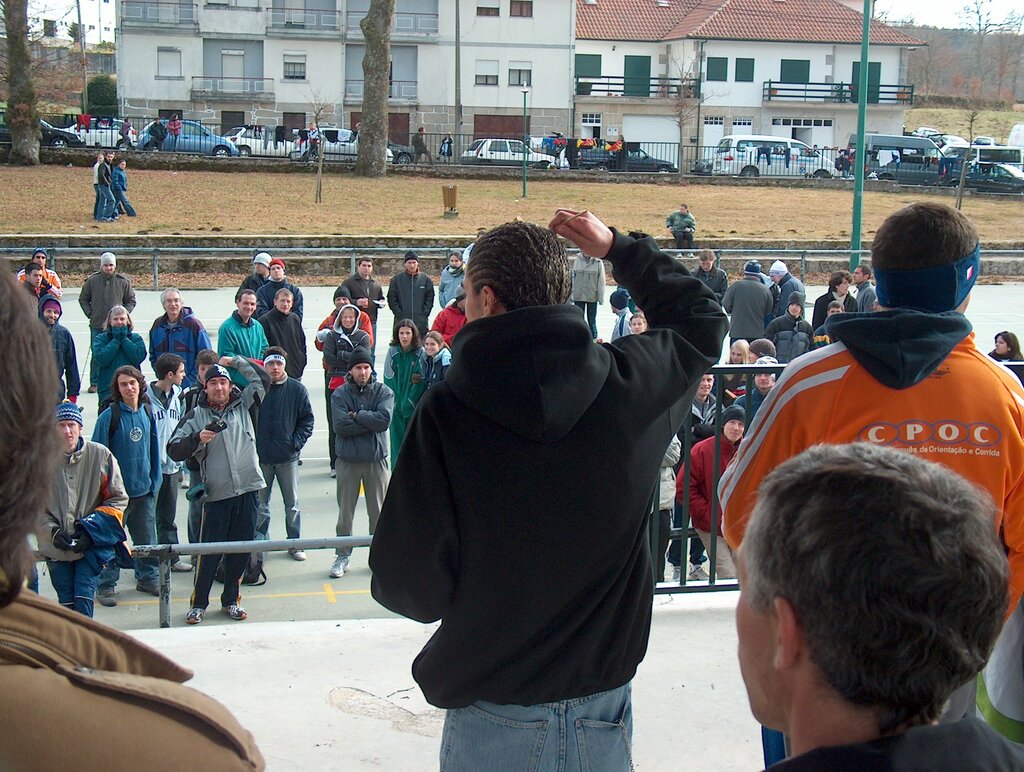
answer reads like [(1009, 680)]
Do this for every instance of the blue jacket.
[(285, 422), (436, 366), (119, 180), (136, 446), (186, 338), (361, 419)]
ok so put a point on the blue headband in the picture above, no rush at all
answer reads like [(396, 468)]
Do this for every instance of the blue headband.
[(938, 289)]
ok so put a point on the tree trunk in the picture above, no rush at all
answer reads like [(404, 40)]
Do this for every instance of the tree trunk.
[(373, 135), (21, 101)]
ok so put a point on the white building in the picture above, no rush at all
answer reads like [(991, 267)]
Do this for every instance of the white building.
[(691, 71), (233, 62)]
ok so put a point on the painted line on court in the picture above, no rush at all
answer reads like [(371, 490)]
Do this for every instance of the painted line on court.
[(330, 593)]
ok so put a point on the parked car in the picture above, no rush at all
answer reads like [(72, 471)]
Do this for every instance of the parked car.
[(988, 154), (637, 160), (337, 144), (194, 138), (993, 178), (54, 137), (925, 131), (103, 132), (751, 155), (908, 160), (504, 152), (949, 140), (984, 141), (248, 143), (403, 154)]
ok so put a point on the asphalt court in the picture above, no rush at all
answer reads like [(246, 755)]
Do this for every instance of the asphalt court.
[(303, 590)]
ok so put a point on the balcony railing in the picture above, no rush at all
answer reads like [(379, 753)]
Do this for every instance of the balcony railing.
[(403, 24), (297, 20), (138, 12), (232, 88), (884, 93), (400, 89), (646, 88), (233, 5)]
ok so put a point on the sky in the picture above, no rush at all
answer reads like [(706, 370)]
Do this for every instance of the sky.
[(941, 13)]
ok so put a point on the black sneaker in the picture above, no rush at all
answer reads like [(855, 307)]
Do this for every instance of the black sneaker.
[(148, 589)]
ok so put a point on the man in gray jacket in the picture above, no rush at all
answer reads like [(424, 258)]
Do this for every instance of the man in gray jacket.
[(747, 302), (102, 291), (218, 432), (361, 411)]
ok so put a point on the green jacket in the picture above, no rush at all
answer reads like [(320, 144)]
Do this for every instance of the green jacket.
[(677, 221), (235, 339)]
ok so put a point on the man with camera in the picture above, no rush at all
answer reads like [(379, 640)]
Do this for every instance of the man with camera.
[(218, 433), (682, 225)]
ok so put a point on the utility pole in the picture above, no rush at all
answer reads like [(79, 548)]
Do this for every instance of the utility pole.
[(458, 83), (81, 48)]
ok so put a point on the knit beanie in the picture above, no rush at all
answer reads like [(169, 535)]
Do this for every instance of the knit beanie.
[(69, 411), (619, 299), (733, 413), (359, 357), (342, 292)]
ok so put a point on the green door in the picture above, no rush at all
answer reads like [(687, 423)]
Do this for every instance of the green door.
[(637, 80), (874, 78)]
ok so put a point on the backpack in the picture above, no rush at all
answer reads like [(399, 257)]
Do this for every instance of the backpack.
[(115, 416), (254, 575)]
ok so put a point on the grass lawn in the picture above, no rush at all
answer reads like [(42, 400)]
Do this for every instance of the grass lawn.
[(58, 200), (989, 123)]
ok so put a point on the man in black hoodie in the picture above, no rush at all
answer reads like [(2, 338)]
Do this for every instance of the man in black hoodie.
[(534, 555), (50, 310), (284, 329)]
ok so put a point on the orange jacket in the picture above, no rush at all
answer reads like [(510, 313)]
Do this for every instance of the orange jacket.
[(50, 276), (968, 414)]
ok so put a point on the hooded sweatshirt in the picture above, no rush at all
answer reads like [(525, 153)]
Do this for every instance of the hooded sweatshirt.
[(451, 280), (498, 510), (64, 352), (902, 378), (135, 445), (339, 345)]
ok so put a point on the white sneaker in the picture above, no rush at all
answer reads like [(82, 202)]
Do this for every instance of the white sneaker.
[(297, 554), (181, 566), (339, 567), (697, 573), (675, 573)]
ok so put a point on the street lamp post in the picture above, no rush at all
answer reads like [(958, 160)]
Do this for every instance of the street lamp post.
[(526, 138)]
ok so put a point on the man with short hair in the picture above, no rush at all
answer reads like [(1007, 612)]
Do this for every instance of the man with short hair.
[(763, 384), (285, 425), (361, 410), (50, 281), (854, 659), (366, 293), (260, 272), (69, 383), (714, 277), (241, 334), (102, 291), (179, 332), (165, 398), (411, 294), (218, 434), (682, 226), (865, 290), (527, 398), (918, 373), (128, 427), (749, 303), (787, 284), (33, 281), (266, 294), (284, 330)]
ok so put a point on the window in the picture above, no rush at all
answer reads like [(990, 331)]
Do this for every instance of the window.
[(521, 8), (591, 119), (520, 73), (487, 7), (294, 66), (168, 62), (486, 72), (795, 71), (746, 123), (718, 68), (744, 70), (588, 65)]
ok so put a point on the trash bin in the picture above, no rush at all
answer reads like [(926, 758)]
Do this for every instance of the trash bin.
[(449, 194)]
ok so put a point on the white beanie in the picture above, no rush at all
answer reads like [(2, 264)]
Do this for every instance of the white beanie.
[(107, 258), (262, 258), (778, 267)]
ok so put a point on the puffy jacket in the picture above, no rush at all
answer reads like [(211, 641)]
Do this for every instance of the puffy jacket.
[(228, 463), (361, 418), (186, 338), (449, 321), (702, 480), (112, 349), (338, 348), (285, 422), (791, 335), (101, 292), (451, 280), (588, 280)]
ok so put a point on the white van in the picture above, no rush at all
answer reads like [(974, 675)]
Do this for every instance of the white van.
[(989, 154), (1016, 137), (751, 155)]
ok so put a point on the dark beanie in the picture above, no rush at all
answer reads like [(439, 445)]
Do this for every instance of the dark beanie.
[(410, 255), (360, 356), (619, 299), (342, 292), (796, 297), (733, 413)]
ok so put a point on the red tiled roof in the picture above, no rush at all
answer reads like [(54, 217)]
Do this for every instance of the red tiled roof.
[(809, 21)]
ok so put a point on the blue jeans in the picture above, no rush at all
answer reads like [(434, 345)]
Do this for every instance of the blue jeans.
[(586, 734), (107, 205), (121, 199), (590, 311), (75, 583), (140, 522)]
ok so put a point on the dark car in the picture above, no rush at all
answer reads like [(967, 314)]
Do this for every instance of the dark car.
[(994, 178), (637, 161), (403, 154), (54, 137)]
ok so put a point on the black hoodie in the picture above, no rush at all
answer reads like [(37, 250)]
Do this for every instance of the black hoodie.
[(517, 510)]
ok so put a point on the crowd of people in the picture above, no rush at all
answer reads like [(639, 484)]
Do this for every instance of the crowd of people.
[(527, 395)]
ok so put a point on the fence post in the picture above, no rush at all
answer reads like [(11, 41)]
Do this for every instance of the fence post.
[(156, 269), (803, 264), (165, 588)]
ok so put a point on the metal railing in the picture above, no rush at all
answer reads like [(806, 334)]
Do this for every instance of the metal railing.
[(220, 86), (309, 20), (403, 23), (163, 14), (651, 88), (885, 93), (400, 89)]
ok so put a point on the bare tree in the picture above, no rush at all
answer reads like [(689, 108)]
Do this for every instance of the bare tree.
[(321, 107), (371, 160), (21, 94), (686, 98)]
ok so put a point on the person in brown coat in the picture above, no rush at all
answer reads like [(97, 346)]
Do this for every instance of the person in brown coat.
[(66, 678)]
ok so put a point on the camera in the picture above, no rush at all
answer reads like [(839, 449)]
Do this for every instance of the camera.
[(216, 426)]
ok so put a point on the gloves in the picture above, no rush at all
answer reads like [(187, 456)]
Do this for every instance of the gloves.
[(82, 539), (60, 539), (73, 398), (323, 334)]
